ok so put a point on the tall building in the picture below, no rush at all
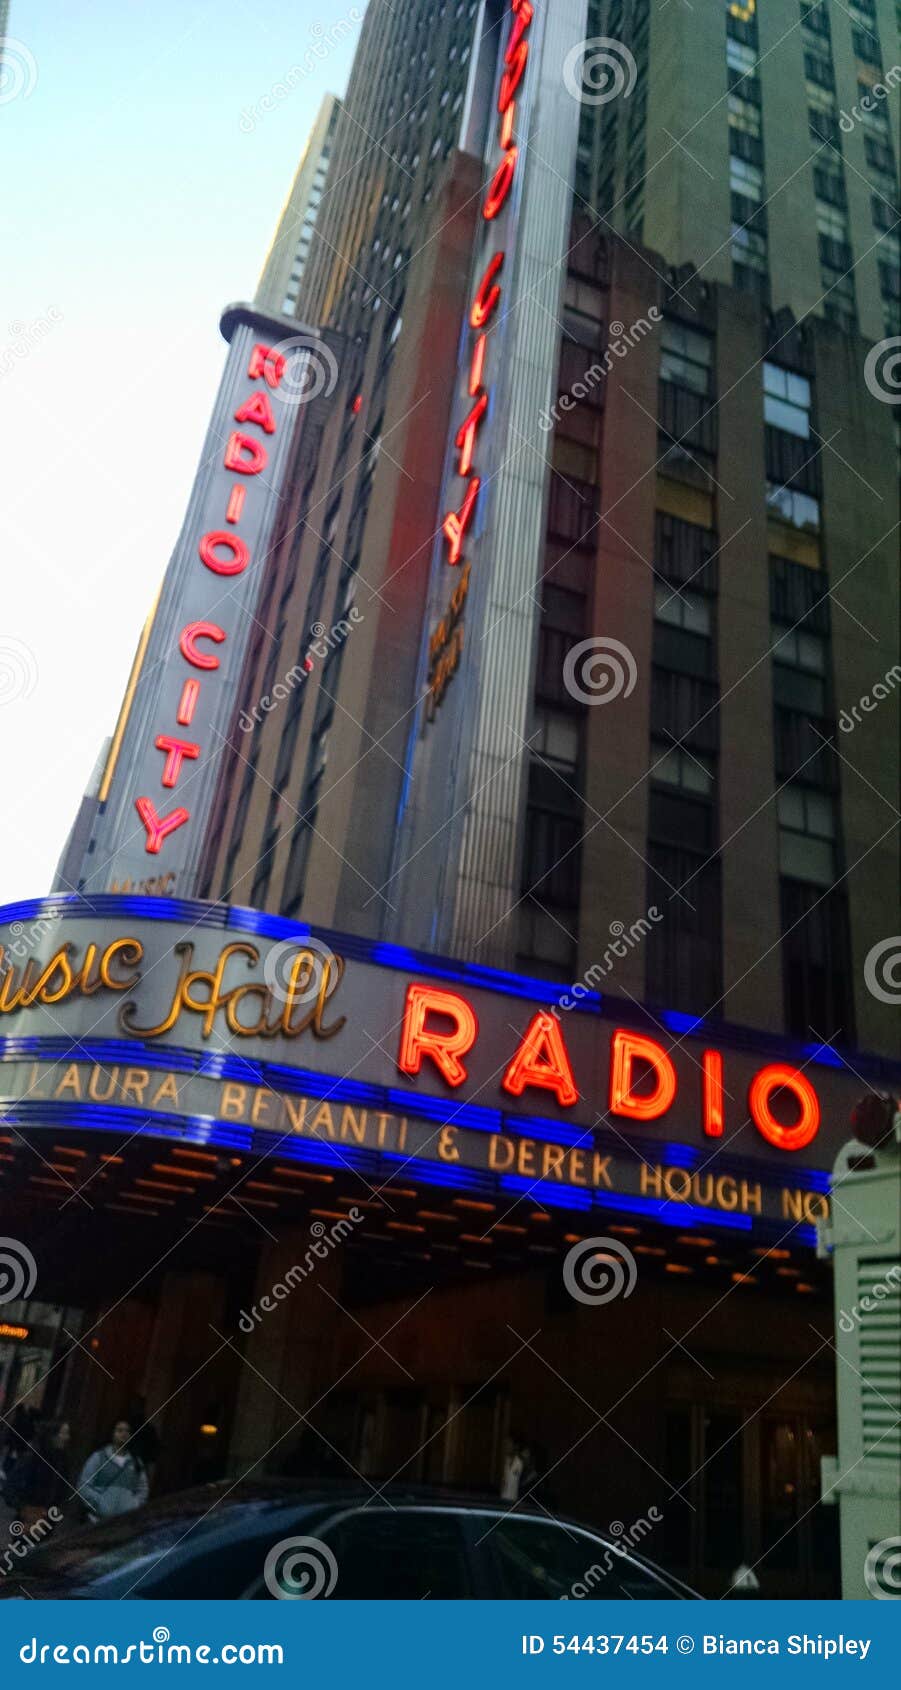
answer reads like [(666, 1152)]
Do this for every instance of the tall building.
[(279, 285), (764, 150), (522, 933)]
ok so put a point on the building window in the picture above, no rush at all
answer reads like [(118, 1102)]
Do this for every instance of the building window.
[(674, 766), (786, 400), (689, 611), (789, 505), (806, 836), (686, 357), (556, 737)]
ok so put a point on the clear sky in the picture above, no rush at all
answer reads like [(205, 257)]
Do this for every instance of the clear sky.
[(138, 197)]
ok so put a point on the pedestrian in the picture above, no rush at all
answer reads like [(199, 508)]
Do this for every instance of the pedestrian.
[(113, 1480), (41, 1478)]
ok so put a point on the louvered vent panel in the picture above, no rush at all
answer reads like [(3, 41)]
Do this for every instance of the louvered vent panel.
[(879, 1281)]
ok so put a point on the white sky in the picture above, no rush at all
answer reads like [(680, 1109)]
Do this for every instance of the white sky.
[(134, 206)]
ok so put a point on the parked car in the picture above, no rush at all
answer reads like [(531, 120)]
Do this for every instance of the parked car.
[(237, 1541)]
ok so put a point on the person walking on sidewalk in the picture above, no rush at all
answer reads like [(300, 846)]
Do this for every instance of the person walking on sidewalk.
[(113, 1480)]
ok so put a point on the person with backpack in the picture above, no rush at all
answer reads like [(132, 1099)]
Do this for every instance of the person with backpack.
[(113, 1480)]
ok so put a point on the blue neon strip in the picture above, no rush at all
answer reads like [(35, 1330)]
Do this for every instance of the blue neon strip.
[(543, 1192), (670, 1213)]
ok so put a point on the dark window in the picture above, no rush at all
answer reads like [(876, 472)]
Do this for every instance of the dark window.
[(684, 950), (816, 963), (538, 1559), (399, 1554)]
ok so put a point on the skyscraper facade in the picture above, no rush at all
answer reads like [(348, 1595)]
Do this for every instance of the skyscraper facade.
[(279, 285)]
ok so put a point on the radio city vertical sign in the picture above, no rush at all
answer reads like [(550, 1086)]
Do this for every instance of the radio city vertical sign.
[(157, 793), (485, 311)]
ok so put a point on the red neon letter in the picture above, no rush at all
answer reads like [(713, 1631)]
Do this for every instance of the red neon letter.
[(187, 704), (712, 1070), (240, 556), (267, 362), (626, 1048), (523, 13), (466, 433), (257, 456), (456, 523), (515, 60), (257, 408), (445, 1049), (158, 827), (542, 1060), (487, 293), (500, 185), (187, 644), (764, 1083), (176, 751), (477, 364)]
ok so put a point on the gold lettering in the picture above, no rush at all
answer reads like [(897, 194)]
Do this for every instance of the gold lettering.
[(651, 1179), (233, 1101), (111, 1075), (525, 1159), (135, 1081), (296, 1109), (167, 1089), (600, 1171), (71, 1081), (499, 1145), (750, 1197), (261, 1099), (354, 1125), (552, 1161), (447, 1145), (791, 1204), (323, 1117)]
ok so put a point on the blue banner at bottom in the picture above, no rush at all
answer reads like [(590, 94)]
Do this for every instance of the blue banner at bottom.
[(450, 1643)]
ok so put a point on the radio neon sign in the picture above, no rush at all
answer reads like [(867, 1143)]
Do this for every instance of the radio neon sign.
[(440, 1028), (488, 293), (223, 552)]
